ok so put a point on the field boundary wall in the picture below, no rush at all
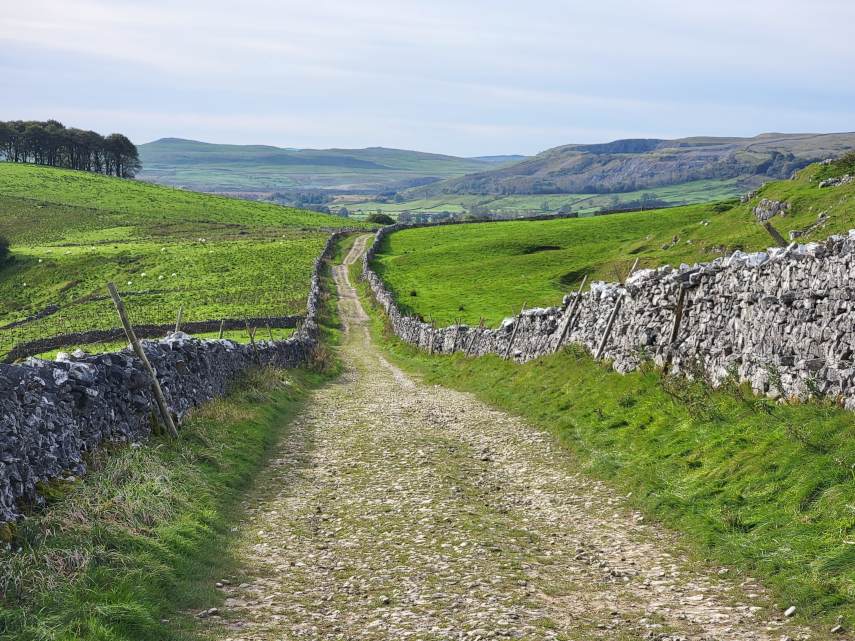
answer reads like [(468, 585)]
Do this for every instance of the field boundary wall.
[(29, 348), (784, 318), (54, 412)]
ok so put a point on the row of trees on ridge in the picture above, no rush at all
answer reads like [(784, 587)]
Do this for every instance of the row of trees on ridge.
[(52, 143)]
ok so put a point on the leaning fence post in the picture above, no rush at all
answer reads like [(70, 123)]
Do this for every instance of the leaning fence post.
[(475, 336), (774, 234), (678, 316), (612, 317), (632, 269), (570, 316), (269, 332), (178, 322), (516, 327), (129, 331), (252, 340)]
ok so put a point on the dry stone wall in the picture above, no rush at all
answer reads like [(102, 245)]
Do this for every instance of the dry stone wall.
[(52, 412), (789, 308), (29, 348)]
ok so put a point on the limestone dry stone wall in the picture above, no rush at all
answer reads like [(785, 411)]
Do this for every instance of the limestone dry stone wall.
[(792, 308), (52, 412), (38, 346)]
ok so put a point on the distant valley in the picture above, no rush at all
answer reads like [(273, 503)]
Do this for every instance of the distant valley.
[(574, 177), (259, 171)]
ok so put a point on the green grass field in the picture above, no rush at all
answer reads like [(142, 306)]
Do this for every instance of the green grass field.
[(72, 232), (700, 191), (469, 271)]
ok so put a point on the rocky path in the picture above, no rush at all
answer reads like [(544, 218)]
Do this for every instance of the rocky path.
[(404, 511)]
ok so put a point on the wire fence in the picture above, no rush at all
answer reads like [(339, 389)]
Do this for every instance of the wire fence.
[(67, 325)]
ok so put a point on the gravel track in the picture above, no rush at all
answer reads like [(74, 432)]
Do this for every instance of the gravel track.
[(399, 510)]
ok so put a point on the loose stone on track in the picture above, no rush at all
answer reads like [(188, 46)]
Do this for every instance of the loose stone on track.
[(399, 510)]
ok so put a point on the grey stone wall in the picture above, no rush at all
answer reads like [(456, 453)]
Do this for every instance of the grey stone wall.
[(791, 308), (51, 413)]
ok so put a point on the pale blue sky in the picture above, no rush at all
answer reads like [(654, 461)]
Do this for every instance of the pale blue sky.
[(460, 77)]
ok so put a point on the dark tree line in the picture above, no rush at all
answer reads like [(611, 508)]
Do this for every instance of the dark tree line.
[(52, 143)]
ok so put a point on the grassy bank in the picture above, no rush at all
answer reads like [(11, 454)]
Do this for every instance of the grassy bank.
[(769, 493), (131, 550)]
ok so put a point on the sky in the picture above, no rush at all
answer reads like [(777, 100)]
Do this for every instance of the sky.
[(463, 77)]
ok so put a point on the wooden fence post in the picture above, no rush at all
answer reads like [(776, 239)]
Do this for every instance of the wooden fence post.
[(129, 331), (774, 234), (514, 333), (475, 336), (178, 322), (632, 269), (432, 336), (251, 340), (612, 317), (570, 316), (678, 316), (222, 327), (269, 332)]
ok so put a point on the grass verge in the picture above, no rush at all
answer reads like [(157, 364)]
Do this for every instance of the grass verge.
[(129, 551), (769, 493)]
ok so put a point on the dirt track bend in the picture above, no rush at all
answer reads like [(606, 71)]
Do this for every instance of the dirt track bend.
[(404, 511)]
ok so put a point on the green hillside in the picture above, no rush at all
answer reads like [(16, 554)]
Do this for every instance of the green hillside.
[(469, 271), (72, 232), (261, 170), (638, 165)]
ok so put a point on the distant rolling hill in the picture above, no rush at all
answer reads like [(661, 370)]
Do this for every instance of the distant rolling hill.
[(259, 170), (633, 165)]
